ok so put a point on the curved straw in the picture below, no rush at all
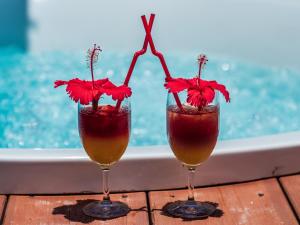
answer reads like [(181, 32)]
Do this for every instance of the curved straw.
[(148, 39), (135, 57), (160, 56)]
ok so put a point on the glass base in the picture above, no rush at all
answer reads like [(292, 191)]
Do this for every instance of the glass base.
[(189, 209), (106, 209)]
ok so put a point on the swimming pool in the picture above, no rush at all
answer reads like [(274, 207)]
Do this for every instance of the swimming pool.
[(257, 57), (35, 115)]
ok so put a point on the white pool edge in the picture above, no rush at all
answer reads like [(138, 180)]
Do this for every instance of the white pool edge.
[(24, 171)]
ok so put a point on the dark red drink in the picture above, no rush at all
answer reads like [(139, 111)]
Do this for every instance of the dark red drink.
[(104, 132), (192, 133)]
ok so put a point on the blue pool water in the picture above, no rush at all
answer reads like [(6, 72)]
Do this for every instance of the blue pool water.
[(34, 114)]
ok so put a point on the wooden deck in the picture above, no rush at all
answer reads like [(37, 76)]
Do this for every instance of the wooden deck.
[(265, 202)]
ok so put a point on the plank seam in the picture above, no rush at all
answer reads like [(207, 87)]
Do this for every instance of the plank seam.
[(217, 185), (149, 208), (288, 200), (4, 209)]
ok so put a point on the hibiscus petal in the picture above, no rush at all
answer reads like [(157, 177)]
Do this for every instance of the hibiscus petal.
[(200, 93), (117, 92), (101, 82), (221, 88), (208, 94), (194, 82), (197, 83), (84, 92), (58, 83), (81, 90), (194, 97), (108, 85), (176, 85)]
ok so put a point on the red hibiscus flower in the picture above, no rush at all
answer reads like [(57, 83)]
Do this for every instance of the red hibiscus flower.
[(199, 92), (84, 91), (88, 91)]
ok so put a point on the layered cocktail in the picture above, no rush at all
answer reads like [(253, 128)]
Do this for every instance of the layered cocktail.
[(192, 133), (104, 132), (104, 127), (192, 127)]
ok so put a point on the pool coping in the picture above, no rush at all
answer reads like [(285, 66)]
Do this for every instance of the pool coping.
[(50, 171)]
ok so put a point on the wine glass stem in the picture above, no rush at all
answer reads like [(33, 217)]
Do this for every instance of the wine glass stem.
[(105, 173), (191, 174)]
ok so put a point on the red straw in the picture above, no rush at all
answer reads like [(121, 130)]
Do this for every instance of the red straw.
[(135, 57), (159, 55), (148, 39)]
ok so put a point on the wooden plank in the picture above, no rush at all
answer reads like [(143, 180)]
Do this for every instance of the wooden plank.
[(291, 185), (63, 210), (2, 204), (259, 202)]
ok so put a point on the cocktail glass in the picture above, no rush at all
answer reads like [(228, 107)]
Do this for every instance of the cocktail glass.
[(192, 135), (104, 132)]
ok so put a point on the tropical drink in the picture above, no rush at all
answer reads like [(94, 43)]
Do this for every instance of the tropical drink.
[(192, 133), (104, 128), (192, 115), (104, 133)]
